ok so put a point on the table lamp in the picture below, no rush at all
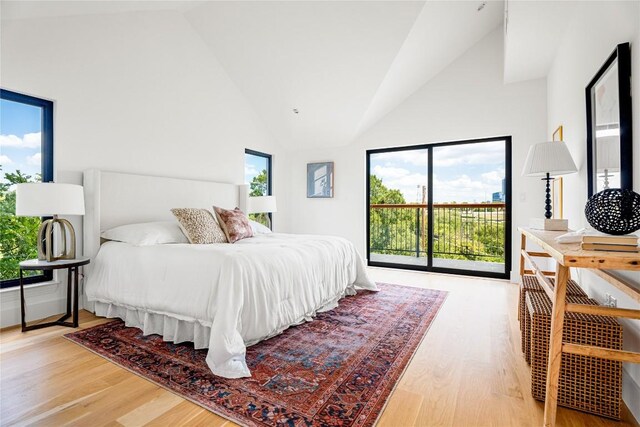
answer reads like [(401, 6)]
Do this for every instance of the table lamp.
[(549, 159), (51, 199), (262, 204)]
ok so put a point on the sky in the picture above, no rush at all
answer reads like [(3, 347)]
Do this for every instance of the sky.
[(253, 165), (461, 173), (20, 137)]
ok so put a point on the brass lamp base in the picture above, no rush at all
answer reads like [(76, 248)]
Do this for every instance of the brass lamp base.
[(45, 240)]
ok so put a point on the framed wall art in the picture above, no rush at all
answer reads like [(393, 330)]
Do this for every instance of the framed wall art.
[(557, 190), (320, 180)]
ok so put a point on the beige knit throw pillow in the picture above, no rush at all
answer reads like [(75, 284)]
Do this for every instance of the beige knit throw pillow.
[(199, 225)]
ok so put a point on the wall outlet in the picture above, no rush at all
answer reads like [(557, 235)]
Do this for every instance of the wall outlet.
[(610, 301)]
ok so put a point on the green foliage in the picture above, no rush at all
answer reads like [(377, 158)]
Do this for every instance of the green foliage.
[(379, 194), (259, 186), (459, 233), (262, 218), (475, 234), (18, 235), (393, 231)]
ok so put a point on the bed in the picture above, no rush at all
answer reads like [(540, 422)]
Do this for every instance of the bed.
[(223, 297)]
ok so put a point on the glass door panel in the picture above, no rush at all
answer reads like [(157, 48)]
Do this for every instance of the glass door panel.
[(469, 205), (398, 215)]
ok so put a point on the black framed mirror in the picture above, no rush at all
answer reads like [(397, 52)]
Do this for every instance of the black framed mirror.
[(609, 134)]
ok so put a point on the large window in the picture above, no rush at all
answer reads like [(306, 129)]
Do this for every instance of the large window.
[(257, 173), (26, 155)]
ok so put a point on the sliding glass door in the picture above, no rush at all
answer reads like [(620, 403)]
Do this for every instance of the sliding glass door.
[(441, 207)]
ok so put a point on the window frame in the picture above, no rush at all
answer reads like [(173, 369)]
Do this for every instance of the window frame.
[(46, 165), (269, 159)]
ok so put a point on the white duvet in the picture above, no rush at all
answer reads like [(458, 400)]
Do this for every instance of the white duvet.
[(244, 292)]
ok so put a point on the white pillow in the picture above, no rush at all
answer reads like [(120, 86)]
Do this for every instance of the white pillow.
[(147, 233), (259, 228)]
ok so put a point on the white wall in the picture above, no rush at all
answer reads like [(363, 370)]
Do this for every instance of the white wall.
[(589, 39), (133, 92), (467, 100)]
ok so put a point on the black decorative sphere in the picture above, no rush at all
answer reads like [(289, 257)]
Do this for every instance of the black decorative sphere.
[(614, 211)]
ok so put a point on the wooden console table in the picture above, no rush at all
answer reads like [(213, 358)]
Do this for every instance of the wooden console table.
[(566, 256)]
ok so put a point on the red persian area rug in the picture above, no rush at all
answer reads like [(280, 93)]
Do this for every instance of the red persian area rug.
[(338, 370)]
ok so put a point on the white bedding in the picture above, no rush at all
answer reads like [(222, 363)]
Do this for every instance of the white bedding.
[(238, 293)]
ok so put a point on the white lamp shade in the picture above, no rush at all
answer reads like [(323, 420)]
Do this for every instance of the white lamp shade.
[(549, 158), (48, 198), (262, 204)]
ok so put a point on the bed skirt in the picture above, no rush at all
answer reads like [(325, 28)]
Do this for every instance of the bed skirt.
[(177, 330), (170, 328)]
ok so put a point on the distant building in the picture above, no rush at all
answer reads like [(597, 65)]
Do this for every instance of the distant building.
[(498, 196)]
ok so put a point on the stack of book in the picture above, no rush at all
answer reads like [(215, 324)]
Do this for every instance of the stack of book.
[(625, 243)]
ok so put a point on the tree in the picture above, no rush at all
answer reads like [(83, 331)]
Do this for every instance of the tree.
[(380, 194), (18, 235), (393, 230), (259, 186)]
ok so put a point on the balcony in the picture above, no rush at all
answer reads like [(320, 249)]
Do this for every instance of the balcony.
[(466, 236)]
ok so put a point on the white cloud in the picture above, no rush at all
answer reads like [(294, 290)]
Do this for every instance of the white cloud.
[(32, 140), (29, 140), (462, 189), (486, 153), (390, 172), (414, 157), (10, 141), (495, 176), (5, 160), (464, 182), (410, 185), (397, 177), (250, 170), (35, 160)]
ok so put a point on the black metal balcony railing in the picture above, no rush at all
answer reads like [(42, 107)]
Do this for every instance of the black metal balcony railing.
[(460, 231)]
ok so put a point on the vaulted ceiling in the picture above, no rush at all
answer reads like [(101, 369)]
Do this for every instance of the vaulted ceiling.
[(342, 65), (533, 32)]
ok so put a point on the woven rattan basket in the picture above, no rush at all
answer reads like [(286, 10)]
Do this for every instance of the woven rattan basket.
[(526, 330), (530, 283), (588, 384)]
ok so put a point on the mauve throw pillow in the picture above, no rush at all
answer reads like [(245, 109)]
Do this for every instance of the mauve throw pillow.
[(235, 224)]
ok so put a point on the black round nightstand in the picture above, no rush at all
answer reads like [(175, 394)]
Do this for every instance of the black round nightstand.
[(72, 266)]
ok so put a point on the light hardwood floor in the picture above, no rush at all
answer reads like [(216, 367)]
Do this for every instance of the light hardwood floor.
[(468, 371)]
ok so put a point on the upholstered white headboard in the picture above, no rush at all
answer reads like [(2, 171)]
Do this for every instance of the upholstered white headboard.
[(114, 198)]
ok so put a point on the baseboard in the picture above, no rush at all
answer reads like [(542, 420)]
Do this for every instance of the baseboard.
[(42, 300)]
